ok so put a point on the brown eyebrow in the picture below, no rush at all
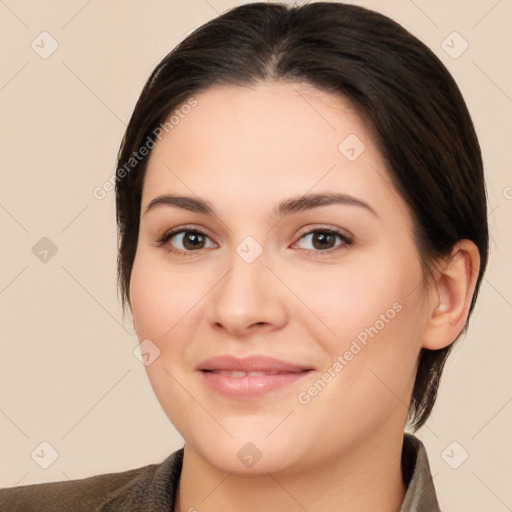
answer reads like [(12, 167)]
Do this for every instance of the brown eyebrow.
[(286, 207)]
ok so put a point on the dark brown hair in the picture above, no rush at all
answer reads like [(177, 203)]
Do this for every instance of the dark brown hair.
[(399, 87)]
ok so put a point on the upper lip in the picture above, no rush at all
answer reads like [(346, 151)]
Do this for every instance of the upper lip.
[(253, 363)]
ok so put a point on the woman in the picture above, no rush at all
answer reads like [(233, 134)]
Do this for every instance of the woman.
[(302, 236)]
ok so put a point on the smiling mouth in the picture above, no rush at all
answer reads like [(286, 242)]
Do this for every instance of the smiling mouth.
[(237, 373), (247, 385)]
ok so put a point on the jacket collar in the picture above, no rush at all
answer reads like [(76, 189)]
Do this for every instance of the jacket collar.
[(420, 495)]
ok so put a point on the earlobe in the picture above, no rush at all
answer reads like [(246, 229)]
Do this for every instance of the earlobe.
[(450, 298)]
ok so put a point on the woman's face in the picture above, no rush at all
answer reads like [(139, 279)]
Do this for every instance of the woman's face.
[(348, 319)]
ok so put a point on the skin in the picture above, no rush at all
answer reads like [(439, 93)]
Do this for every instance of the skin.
[(245, 149)]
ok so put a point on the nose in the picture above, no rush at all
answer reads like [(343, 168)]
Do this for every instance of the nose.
[(249, 298)]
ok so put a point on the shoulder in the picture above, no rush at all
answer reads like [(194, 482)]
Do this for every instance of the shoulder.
[(82, 494), (99, 492)]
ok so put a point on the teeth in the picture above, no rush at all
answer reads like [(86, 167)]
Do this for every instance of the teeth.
[(231, 374), (243, 374)]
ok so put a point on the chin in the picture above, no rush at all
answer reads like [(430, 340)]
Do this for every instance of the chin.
[(252, 460), (249, 456)]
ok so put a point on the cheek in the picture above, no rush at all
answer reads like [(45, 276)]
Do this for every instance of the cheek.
[(370, 368), (162, 297), (351, 297), (163, 301), (374, 311)]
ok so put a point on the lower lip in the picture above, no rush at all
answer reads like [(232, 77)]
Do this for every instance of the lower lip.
[(250, 386)]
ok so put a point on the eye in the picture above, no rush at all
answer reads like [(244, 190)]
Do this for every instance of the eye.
[(191, 239), (323, 239)]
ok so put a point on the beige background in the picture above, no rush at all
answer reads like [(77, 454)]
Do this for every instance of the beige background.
[(68, 375)]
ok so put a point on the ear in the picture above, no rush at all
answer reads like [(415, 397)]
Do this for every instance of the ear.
[(450, 295)]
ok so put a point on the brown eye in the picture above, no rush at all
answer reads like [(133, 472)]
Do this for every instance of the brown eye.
[(191, 240), (324, 240)]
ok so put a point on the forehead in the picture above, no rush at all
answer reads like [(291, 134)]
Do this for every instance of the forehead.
[(268, 114), (265, 142)]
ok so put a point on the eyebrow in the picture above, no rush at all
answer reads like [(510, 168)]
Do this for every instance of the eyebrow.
[(287, 207)]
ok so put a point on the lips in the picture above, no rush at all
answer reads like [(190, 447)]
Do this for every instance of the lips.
[(265, 364), (236, 373), (249, 377)]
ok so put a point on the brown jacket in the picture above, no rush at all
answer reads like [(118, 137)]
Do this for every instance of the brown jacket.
[(153, 488)]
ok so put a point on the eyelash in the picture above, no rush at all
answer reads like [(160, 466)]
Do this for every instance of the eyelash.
[(190, 229)]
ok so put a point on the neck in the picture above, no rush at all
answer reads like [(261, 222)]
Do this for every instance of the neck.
[(368, 477)]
